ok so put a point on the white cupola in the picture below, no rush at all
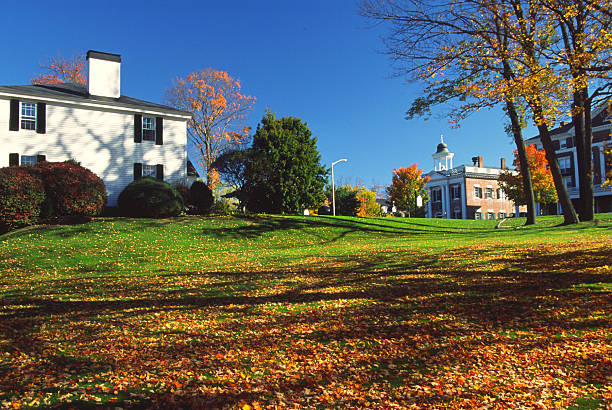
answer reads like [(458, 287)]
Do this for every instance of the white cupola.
[(443, 158), (104, 74)]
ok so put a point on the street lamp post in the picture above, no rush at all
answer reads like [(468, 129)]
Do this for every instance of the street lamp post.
[(333, 186)]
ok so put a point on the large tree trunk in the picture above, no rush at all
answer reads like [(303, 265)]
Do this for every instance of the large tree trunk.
[(587, 190), (523, 162), (569, 213), (578, 119)]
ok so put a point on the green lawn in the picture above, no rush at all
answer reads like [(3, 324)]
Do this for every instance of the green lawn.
[(307, 311)]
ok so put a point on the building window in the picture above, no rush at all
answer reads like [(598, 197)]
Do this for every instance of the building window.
[(569, 182), (477, 192), (490, 215), (28, 116), (489, 193), (500, 194), (502, 215), (565, 163), (438, 215), (436, 195), (457, 213), (28, 159), (149, 171), (477, 215), (148, 128), (456, 191)]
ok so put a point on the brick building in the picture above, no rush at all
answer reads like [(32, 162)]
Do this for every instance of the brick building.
[(466, 191), (563, 139)]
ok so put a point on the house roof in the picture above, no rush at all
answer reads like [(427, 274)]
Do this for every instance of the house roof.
[(78, 92), (599, 117)]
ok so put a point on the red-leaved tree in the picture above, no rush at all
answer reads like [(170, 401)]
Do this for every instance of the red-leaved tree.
[(218, 107), (62, 70)]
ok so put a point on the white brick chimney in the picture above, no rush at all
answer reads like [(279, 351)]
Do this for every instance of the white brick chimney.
[(104, 76)]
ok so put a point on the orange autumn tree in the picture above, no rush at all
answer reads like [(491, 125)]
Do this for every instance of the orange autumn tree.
[(367, 202), (218, 107), (541, 177), (62, 70), (406, 186)]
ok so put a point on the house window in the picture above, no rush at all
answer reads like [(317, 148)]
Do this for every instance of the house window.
[(569, 182), (28, 159), (477, 192), (456, 191), (28, 116), (500, 193), (490, 215), (457, 213), (489, 193), (438, 215), (565, 163), (149, 171), (436, 195), (477, 215), (502, 215), (148, 129)]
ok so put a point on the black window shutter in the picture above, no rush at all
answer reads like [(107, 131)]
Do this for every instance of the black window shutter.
[(159, 131), (14, 116), (41, 118), (137, 128), (137, 171), (557, 145), (13, 159), (41, 158), (569, 142), (159, 173)]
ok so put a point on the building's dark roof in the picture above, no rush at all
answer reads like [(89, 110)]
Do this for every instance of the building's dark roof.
[(442, 147), (79, 92), (597, 120)]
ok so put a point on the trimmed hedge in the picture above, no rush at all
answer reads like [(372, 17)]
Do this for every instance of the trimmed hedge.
[(71, 189), (21, 197), (201, 197), (150, 198)]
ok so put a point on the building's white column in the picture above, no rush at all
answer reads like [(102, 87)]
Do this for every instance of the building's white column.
[(602, 163), (444, 190), (463, 192), (429, 214), (577, 182), (538, 210)]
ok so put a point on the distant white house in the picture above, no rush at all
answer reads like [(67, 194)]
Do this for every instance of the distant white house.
[(118, 137)]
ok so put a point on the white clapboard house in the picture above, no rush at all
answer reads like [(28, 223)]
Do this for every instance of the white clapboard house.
[(119, 138)]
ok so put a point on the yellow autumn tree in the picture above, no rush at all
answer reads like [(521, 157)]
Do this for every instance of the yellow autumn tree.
[(219, 108)]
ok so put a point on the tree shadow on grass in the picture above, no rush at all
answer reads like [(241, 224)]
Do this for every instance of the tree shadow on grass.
[(436, 315)]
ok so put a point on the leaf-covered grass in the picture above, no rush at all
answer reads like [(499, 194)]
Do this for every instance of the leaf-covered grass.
[(307, 311)]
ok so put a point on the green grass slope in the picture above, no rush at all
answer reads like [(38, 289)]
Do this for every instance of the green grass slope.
[(307, 311)]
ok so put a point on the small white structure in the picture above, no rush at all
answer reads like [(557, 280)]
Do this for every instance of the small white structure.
[(118, 137), (443, 158)]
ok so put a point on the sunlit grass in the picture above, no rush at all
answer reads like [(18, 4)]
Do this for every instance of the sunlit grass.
[(309, 311)]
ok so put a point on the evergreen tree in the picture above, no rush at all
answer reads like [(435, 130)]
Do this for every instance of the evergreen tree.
[(285, 174)]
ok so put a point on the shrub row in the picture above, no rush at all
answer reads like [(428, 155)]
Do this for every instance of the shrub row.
[(48, 189), (150, 198)]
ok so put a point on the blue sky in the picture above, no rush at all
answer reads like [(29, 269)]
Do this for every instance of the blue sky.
[(313, 59)]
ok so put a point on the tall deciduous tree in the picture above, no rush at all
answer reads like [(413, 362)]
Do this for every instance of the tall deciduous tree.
[(407, 184), (492, 51), (285, 174), (62, 70), (543, 186), (219, 108)]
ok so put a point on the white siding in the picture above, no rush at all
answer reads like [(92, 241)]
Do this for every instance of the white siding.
[(101, 140)]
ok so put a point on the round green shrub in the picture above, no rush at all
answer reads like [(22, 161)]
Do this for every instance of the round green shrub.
[(21, 197), (71, 189), (201, 197), (150, 198)]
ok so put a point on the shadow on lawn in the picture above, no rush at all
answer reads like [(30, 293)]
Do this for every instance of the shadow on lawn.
[(443, 315)]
